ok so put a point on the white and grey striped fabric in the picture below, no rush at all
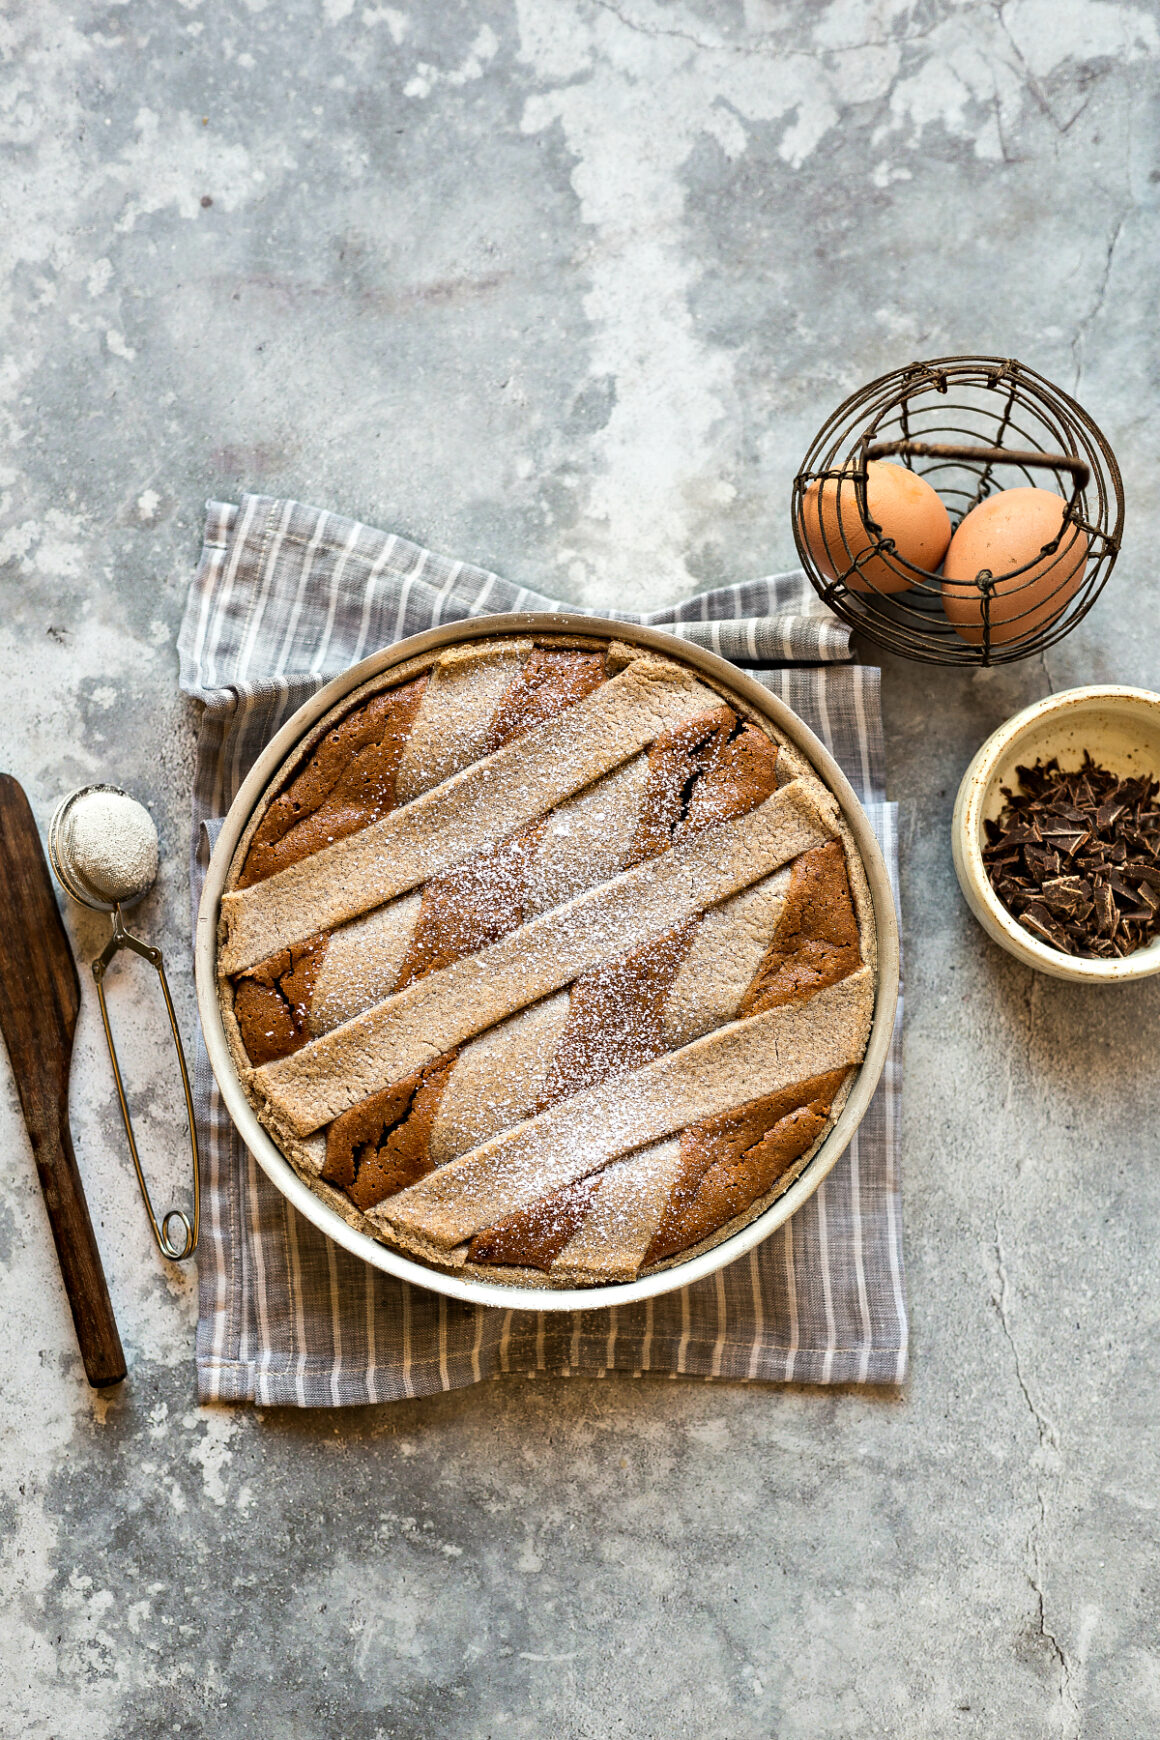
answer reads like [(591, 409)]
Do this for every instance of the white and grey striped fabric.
[(286, 596)]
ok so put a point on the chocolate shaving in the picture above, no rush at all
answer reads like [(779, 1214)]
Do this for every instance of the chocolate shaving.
[(1075, 857)]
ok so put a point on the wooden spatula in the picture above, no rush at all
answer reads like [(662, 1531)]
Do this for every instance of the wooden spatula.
[(39, 1000)]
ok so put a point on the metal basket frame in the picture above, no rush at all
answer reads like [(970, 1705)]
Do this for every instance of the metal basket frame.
[(927, 413)]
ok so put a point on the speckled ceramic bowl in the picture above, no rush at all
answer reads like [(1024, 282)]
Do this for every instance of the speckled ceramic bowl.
[(1120, 728), (279, 1169)]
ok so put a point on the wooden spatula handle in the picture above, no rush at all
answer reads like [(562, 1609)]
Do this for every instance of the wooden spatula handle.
[(80, 1261), (39, 999)]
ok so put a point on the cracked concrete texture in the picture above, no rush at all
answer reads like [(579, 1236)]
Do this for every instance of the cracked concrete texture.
[(566, 287)]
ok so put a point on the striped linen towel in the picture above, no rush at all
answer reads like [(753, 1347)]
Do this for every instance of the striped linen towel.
[(286, 596)]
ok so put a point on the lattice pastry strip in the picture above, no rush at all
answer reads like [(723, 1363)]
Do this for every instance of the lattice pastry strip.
[(666, 1199), (537, 767), (725, 964), (760, 1056), (705, 771), (437, 1013)]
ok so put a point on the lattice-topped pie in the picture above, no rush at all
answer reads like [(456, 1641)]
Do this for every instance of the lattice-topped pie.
[(546, 961)]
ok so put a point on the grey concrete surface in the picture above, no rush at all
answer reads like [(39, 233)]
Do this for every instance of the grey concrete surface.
[(565, 286)]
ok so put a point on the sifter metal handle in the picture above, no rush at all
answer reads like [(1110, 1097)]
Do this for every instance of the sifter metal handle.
[(167, 1245)]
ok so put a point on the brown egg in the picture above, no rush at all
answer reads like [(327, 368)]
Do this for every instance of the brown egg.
[(905, 506), (1004, 535)]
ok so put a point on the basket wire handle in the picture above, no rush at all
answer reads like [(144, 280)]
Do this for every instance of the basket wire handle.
[(992, 455), (167, 1244)]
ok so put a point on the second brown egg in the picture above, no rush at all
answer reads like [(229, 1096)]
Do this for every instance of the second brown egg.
[(1006, 537)]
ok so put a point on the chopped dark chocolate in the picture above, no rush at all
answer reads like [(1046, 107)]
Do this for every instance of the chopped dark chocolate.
[(1075, 857)]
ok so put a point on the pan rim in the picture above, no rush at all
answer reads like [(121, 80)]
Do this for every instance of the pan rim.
[(503, 1295)]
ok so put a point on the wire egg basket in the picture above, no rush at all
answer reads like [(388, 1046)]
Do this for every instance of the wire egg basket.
[(969, 426)]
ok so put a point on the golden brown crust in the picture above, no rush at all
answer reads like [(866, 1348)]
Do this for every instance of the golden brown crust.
[(546, 682), (702, 772), (453, 726), (710, 770), (816, 942), (272, 1001), (348, 783), (535, 1237), (384, 1144), (472, 906), (729, 1161), (714, 1075), (443, 1009), (302, 752), (615, 1016), (757, 1208), (455, 821)]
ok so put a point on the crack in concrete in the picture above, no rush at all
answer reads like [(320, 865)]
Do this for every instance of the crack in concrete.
[(657, 32), (1046, 669), (1048, 1448), (1009, 157), (1029, 79), (1093, 313), (763, 49)]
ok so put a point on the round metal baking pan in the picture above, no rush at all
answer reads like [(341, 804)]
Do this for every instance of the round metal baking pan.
[(279, 1169)]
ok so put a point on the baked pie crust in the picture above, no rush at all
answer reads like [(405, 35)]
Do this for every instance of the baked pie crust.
[(547, 960)]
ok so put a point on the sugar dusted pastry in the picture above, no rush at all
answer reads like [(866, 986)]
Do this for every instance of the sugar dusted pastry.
[(546, 961)]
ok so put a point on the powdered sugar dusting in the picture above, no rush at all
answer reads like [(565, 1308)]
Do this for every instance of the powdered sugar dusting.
[(478, 807), (570, 1088)]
